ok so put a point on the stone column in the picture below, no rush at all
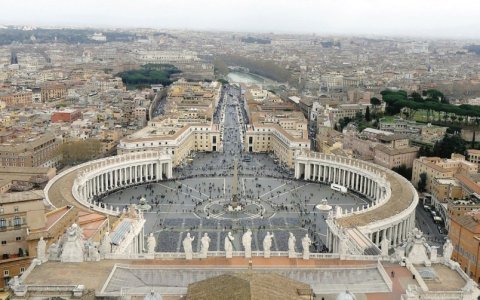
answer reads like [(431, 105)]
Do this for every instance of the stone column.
[(402, 237), (390, 235), (377, 238), (307, 171)]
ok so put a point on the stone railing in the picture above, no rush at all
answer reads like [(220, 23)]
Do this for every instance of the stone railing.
[(196, 255)]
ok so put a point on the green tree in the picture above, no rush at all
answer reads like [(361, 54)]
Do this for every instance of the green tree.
[(375, 102), (425, 151), (80, 151), (416, 97), (223, 81), (404, 171), (368, 118), (422, 183), (448, 145), (473, 140)]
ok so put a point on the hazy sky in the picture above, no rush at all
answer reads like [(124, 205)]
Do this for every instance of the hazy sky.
[(438, 18)]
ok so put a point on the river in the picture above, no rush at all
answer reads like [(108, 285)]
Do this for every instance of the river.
[(239, 77)]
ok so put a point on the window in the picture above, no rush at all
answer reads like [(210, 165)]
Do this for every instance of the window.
[(3, 222), (4, 242), (22, 269), (15, 209), (17, 221), (18, 238), (6, 273)]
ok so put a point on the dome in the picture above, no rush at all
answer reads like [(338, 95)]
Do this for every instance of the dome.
[(346, 296)]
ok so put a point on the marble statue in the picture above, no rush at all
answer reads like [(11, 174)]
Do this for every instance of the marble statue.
[(433, 254), (14, 283), (247, 243), (91, 253), (306, 242), (132, 212), (105, 245), (267, 244), (53, 252), (73, 246), (384, 245), (447, 251), (151, 244), (41, 247), (415, 249), (205, 245), (342, 246), (228, 245), (187, 246), (291, 246)]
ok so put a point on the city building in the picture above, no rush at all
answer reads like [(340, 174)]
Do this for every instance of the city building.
[(187, 124), (465, 236), (67, 115), (275, 127), (17, 99), (19, 213), (40, 151), (436, 167), (53, 92), (473, 155), (382, 147)]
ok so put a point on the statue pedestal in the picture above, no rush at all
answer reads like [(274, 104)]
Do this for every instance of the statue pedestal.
[(188, 256), (266, 254), (248, 254), (228, 254), (292, 254), (306, 255)]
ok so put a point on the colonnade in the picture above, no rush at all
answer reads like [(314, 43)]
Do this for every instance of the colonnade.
[(370, 181), (107, 174), (361, 182), (395, 233), (99, 182)]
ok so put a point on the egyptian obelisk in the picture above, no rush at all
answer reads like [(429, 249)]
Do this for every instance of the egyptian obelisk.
[(234, 202)]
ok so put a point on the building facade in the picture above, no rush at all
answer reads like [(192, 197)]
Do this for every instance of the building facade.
[(41, 151)]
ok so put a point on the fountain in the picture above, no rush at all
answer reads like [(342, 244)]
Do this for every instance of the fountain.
[(143, 205), (323, 206)]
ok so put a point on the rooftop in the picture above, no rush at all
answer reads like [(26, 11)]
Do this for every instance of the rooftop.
[(402, 196)]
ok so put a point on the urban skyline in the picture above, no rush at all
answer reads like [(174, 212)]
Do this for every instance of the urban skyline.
[(428, 18)]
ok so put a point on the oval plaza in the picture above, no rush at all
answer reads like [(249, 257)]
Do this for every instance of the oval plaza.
[(181, 215)]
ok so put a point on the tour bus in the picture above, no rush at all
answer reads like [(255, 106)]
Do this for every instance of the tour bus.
[(338, 188)]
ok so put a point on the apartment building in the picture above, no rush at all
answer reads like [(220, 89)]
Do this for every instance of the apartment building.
[(40, 151), (53, 92), (19, 213), (186, 126), (465, 236), (473, 155), (275, 127), (66, 116), (436, 167), (17, 99), (384, 148)]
